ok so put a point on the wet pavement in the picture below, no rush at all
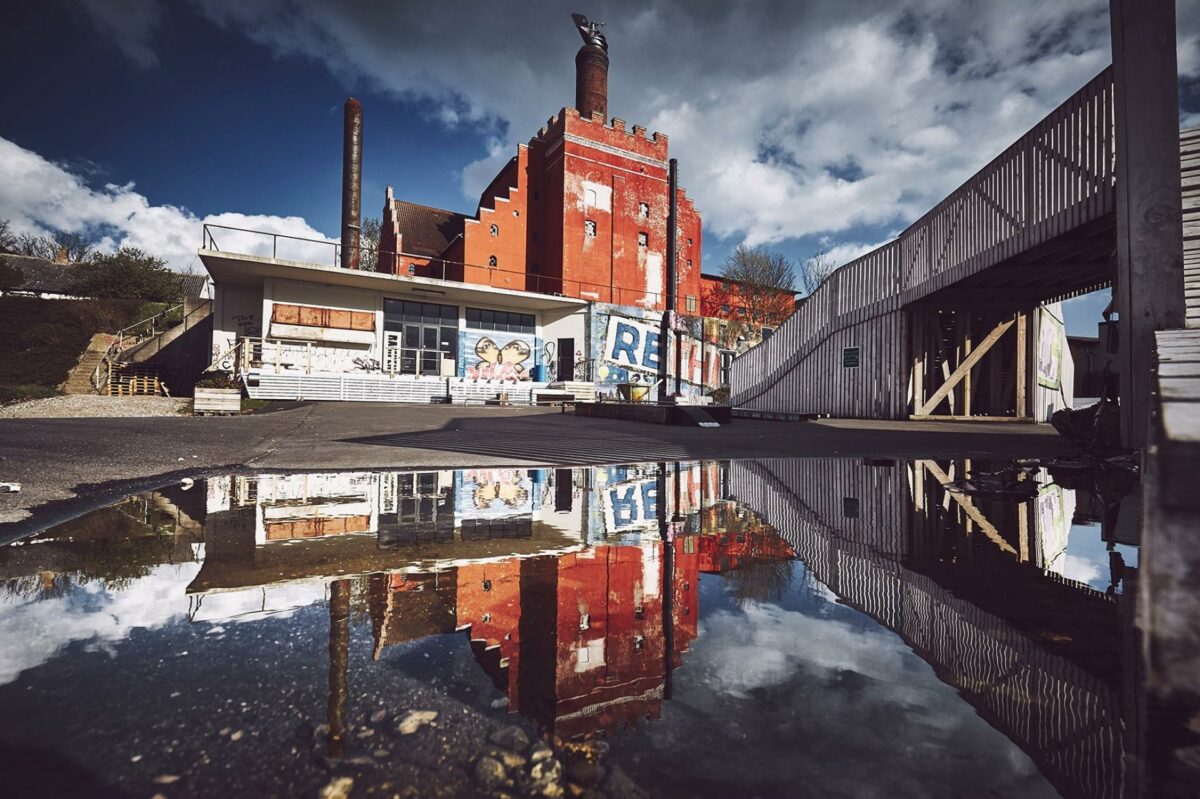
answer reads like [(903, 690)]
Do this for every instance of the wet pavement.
[(820, 626)]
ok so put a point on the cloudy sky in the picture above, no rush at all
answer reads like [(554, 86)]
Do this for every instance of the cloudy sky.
[(801, 125)]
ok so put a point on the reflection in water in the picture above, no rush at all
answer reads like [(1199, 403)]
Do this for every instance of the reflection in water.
[(579, 592)]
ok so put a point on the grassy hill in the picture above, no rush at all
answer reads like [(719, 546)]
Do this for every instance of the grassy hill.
[(43, 339)]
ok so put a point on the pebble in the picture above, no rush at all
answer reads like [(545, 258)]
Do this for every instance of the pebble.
[(237, 736), (378, 716), (540, 752), (415, 720), (548, 770), (489, 773), (510, 760), (512, 737), (166, 779), (338, 788)]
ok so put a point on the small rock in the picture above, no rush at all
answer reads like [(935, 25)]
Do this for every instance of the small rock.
[(415, 720), (237, 736), (166, 779), (489, 773), (540, 752), (512, 737), (338, 788), (378, 716), (366, 732), (548, 770), (511, 760), (548, 790), (381, 753)]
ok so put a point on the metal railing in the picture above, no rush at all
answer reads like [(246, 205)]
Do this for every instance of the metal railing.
[(412, 265), (128, 337)]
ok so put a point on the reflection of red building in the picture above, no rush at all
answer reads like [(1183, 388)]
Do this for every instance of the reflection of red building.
[(580, 642), (577, 642)]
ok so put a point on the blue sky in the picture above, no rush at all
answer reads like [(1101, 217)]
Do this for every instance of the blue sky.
[(803, 126)]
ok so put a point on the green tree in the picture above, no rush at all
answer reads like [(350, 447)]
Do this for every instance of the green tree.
[(129, 273)]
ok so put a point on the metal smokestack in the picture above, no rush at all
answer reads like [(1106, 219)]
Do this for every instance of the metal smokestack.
[(351, 183), (670, 278)]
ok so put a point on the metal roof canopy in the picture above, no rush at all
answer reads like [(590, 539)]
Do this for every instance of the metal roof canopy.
[(229, 268)]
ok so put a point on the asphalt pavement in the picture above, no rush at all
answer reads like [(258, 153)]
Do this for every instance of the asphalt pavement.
[(68, 466)]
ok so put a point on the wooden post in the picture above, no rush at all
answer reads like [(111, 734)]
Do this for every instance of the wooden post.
[(1022, 367), (964, 336), (917, 339), (1149, 279)]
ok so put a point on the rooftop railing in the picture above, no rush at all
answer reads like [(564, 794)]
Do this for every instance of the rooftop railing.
[(279, 246)]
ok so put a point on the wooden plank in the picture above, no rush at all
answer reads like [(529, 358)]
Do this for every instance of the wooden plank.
[(964, 367), (1021, 370), (968, 507)]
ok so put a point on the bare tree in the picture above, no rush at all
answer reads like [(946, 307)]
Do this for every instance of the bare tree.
[(763, 283), (8, 239), (74, 247), (815, 270), (71, 247)]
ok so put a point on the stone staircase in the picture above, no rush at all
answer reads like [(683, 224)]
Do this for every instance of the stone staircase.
[(79, 379)]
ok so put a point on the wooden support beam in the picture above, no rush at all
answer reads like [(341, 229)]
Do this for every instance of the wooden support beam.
[(1149, 281), (969, 509), (963, 368), (1021, 371)]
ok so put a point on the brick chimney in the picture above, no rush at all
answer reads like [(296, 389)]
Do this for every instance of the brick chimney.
[(591, 71)]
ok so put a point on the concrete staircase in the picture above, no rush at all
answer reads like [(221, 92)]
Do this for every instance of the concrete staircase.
[(144, 350), (79, 379)]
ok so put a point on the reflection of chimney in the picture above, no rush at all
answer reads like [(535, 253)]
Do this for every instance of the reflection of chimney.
[(591, 80), (351, 183)]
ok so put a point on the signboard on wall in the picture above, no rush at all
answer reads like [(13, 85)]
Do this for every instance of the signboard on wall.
[(631, 344), (1051, 340)]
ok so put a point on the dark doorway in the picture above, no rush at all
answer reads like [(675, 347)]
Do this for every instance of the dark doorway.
[(566, 359)]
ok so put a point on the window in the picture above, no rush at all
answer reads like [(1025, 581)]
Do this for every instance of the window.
[(516, 212), (491, 260), (689, 242), (741, 310), (590, 198), (495, 230), (724, 309), (692, 304), (589, 227), (644, 210), (500, 321), (643, 238), (689, 263)]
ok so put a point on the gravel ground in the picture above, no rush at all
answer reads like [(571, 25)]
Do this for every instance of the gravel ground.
[(94, 405)]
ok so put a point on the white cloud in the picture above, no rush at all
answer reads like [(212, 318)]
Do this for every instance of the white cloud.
[(794, 120), (38, 195)]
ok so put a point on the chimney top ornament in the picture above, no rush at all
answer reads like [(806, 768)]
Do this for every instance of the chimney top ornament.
[(590, 31)]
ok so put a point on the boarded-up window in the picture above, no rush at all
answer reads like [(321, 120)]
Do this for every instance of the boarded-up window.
[(311, 316)]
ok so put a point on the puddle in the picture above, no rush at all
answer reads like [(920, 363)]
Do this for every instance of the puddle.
[(833, 627)]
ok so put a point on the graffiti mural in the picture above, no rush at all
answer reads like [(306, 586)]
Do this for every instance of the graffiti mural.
[(498, 356), (626, 348)]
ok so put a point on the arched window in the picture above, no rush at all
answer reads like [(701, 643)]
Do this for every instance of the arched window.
[(491, 260), (590, 197), (495, 230), (589, 227), (644, 210)]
